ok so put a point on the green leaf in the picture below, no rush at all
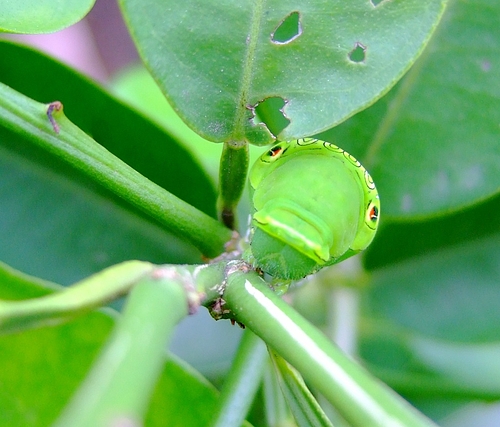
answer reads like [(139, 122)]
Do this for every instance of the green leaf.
[(15, 285), (430, 323), (449, 293), (217, 61), (51, 361), (182, 397), (41, 368), (41, 16), (476, 366), (423, 368), (397, 241), (431, 145)]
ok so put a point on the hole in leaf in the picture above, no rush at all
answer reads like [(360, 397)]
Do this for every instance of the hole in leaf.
[(375, 3), (288, 29), (358, 54), (270, 112)]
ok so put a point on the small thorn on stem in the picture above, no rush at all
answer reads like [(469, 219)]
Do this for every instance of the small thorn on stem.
[(54, 107)]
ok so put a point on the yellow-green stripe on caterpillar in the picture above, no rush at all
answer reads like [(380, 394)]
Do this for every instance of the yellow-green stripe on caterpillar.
[(314, 205)]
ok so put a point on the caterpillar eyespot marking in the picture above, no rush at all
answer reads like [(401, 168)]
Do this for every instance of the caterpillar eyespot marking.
[(314, 205)]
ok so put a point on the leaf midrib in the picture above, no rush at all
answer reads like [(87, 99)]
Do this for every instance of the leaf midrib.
[(238, 134)]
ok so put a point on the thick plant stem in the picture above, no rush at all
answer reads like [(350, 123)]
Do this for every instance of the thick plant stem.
[(242, 382), (117, 390), (358, 396), (68, 143), (232, 179)]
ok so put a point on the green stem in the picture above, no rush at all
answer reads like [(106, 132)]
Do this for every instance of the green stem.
[(24, 116), (242, 382), (302, 403), (200, 282), (232, 179), (118, 388), (276, 408), (81, 297), (359, 397)]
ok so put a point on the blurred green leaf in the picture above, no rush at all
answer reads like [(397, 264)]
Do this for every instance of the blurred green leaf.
[(217, 61), (182, 396), (423, 368), (41, 16), (138, 88), (58, 226), (478, 365), (449, 293), (397, 241), (430, 324), (42, 368), (15, 285), (431, 144)]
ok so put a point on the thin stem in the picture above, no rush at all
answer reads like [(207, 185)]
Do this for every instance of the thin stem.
[(276, 408), (232, 179), (90, 293), (242, 382), (302, 403), (200, 282)]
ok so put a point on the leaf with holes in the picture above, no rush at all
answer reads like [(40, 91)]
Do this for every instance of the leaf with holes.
[(216, 61)]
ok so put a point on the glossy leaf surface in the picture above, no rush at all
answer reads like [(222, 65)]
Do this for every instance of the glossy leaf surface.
[(217, 61)]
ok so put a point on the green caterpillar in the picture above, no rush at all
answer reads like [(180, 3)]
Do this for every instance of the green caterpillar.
[(314, 205)]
